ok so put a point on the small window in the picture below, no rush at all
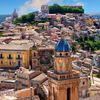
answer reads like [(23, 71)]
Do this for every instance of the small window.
[(9, 56), (60, 54), (34, 61), (66, 54), (1, 55), (34, 54), (18, 56), (83, 83), (10, 62), (1, 62)]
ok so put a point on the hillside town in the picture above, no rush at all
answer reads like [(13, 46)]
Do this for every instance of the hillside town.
[(53, 60)]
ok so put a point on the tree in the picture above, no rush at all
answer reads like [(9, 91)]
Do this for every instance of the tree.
[(54, 9), (30, 17), (24, 19)]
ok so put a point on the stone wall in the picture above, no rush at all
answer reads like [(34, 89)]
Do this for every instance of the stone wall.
[(97, 97)]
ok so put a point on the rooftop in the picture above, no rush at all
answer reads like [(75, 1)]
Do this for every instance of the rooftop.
[(25, 71), (15, 47), (40, 77), (62, 46)]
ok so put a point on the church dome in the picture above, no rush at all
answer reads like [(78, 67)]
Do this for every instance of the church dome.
[(62, 46)]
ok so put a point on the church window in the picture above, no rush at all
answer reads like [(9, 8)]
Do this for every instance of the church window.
[(83, 83), (34, 61), (66, 54), (34, 54), (60, 54), (62, 77)]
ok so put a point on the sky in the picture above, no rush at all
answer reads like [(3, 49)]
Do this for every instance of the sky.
[(25, 6)]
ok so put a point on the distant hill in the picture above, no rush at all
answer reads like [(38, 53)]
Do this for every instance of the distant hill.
[(2, 17)]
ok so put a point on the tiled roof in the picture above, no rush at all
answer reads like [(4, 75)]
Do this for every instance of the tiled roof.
[(15, 47)]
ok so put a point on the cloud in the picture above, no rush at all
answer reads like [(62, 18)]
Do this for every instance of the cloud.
[(34, 4), (80, 3)]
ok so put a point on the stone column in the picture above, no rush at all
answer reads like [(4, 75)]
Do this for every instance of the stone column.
[(76, 93)]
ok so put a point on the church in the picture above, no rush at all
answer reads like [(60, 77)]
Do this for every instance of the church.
[(63, 79)]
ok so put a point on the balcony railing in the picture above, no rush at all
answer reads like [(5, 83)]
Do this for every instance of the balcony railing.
[(18, 58), (9, 57), (61, 77), (1, 57)]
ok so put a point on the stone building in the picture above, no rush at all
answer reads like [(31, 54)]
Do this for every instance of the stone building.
[(13, 56), (42, 57), (24, 77), (44, 9), (84, 86), (63, 80)]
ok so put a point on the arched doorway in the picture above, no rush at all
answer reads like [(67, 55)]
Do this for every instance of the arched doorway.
[(68, 94)]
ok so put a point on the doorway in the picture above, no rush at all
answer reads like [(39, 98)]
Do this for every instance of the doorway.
[(68, 94)]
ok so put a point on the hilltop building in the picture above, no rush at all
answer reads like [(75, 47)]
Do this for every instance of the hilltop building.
[(42, 57), (14, 14), (43, 13), (45, 9)]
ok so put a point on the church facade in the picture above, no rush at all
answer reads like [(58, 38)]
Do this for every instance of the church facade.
[(63, 79)]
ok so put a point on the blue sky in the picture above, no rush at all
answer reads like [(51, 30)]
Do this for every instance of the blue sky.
[(7, 6)]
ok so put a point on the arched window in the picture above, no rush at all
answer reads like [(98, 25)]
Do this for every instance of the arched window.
[(66, 54), (10, 62), (1, 62), (34, 54), (9, 56), (34, 62), (18, 56), (60, 54), (1, 55), (83, 83)]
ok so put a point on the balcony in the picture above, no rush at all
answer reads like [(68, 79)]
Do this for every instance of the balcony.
[(63, 76), (9, 57), (1, 57), (19, 58)]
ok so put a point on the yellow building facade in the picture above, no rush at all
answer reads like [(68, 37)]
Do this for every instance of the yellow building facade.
[(14, 56)]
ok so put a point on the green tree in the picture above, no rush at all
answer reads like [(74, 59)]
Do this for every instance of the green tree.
[(54, 9)]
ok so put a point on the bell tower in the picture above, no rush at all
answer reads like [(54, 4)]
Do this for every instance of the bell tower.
[(63, 80)]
